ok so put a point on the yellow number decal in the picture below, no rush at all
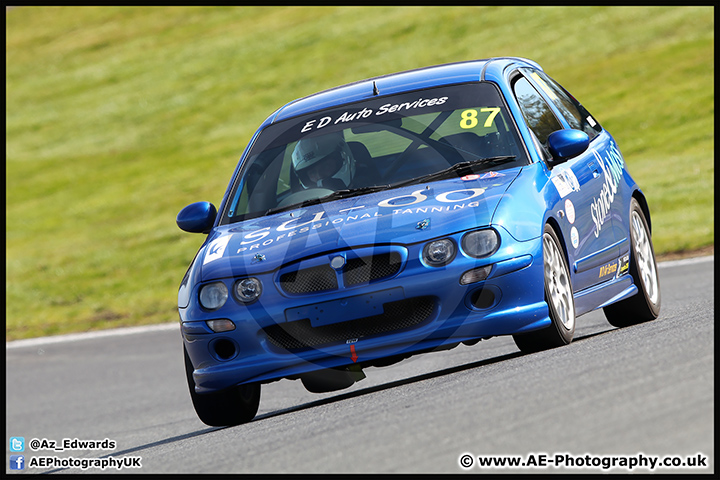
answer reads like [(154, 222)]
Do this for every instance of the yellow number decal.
[(493, 113), (469, 119)]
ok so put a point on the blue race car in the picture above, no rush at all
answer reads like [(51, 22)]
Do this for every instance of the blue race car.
[(405, 214)]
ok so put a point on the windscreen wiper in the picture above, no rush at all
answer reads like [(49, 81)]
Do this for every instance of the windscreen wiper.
[(458, 170), (347, 193)]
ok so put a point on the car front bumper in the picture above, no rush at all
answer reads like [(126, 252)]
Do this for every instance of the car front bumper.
[(420, 308)]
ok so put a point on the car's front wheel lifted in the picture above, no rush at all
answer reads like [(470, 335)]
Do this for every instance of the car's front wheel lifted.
[(232, 406), (644, 305), (559, 297)]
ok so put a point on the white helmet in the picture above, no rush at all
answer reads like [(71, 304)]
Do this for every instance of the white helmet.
[(324, 161)]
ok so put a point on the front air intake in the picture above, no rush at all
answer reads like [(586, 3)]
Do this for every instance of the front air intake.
[(396, 316), (309, 280)]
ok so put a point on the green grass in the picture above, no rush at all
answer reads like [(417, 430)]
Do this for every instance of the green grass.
[(117, 117)]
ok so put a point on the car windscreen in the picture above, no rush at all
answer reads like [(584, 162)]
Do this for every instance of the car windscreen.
[(377, 144)]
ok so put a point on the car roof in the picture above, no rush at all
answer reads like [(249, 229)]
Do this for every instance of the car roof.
[(433, 76)]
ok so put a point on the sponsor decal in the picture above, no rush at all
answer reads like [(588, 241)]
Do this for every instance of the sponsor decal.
[(419, 196), (488, 175), (619, 268), (424, 224), (399, 205), (216, 249), (566, 182), (574, 237), (467, 178), (570, 210), (348, 116), (623, 266), (612, 167), (608, 269)]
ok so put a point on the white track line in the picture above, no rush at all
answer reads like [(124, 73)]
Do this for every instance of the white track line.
[(686, 261), (116, 332)]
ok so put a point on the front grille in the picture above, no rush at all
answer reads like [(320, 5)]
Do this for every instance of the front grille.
[(367, 269), (396, 316), (309, 280), (357, 271)]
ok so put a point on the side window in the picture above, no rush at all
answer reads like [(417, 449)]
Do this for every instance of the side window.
[(537, 112), (574, 113)]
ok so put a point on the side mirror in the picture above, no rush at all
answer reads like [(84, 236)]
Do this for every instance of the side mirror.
[(197, 217), (566, 144)]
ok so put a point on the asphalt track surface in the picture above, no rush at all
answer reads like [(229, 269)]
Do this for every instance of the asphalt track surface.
[(636, 393)]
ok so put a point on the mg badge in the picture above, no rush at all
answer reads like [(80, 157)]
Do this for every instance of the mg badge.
[(338, 262)]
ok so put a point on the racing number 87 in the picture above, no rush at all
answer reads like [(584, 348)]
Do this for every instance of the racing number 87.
[(469, 118)]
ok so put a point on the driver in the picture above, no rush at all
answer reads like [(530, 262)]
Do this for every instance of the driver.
[(324, 162)]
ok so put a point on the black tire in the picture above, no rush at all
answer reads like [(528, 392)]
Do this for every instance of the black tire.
[(231, 406), (644, 305), (559, 297)]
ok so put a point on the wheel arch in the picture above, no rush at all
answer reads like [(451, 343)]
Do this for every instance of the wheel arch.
[(552, 221), (638, 195)]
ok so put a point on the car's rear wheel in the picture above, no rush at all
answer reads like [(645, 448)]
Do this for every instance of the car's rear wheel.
[(232, 406), (645, 305), (559, 297)]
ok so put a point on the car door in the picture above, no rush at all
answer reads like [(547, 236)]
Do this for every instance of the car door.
[(609, 204), (577, 182)]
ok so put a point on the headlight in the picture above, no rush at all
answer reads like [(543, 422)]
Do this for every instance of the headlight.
[(480, 243), (439, 252), (248, 290), (213, 295)]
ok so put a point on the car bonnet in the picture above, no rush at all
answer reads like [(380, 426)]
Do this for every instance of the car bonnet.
[(412, 214)]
